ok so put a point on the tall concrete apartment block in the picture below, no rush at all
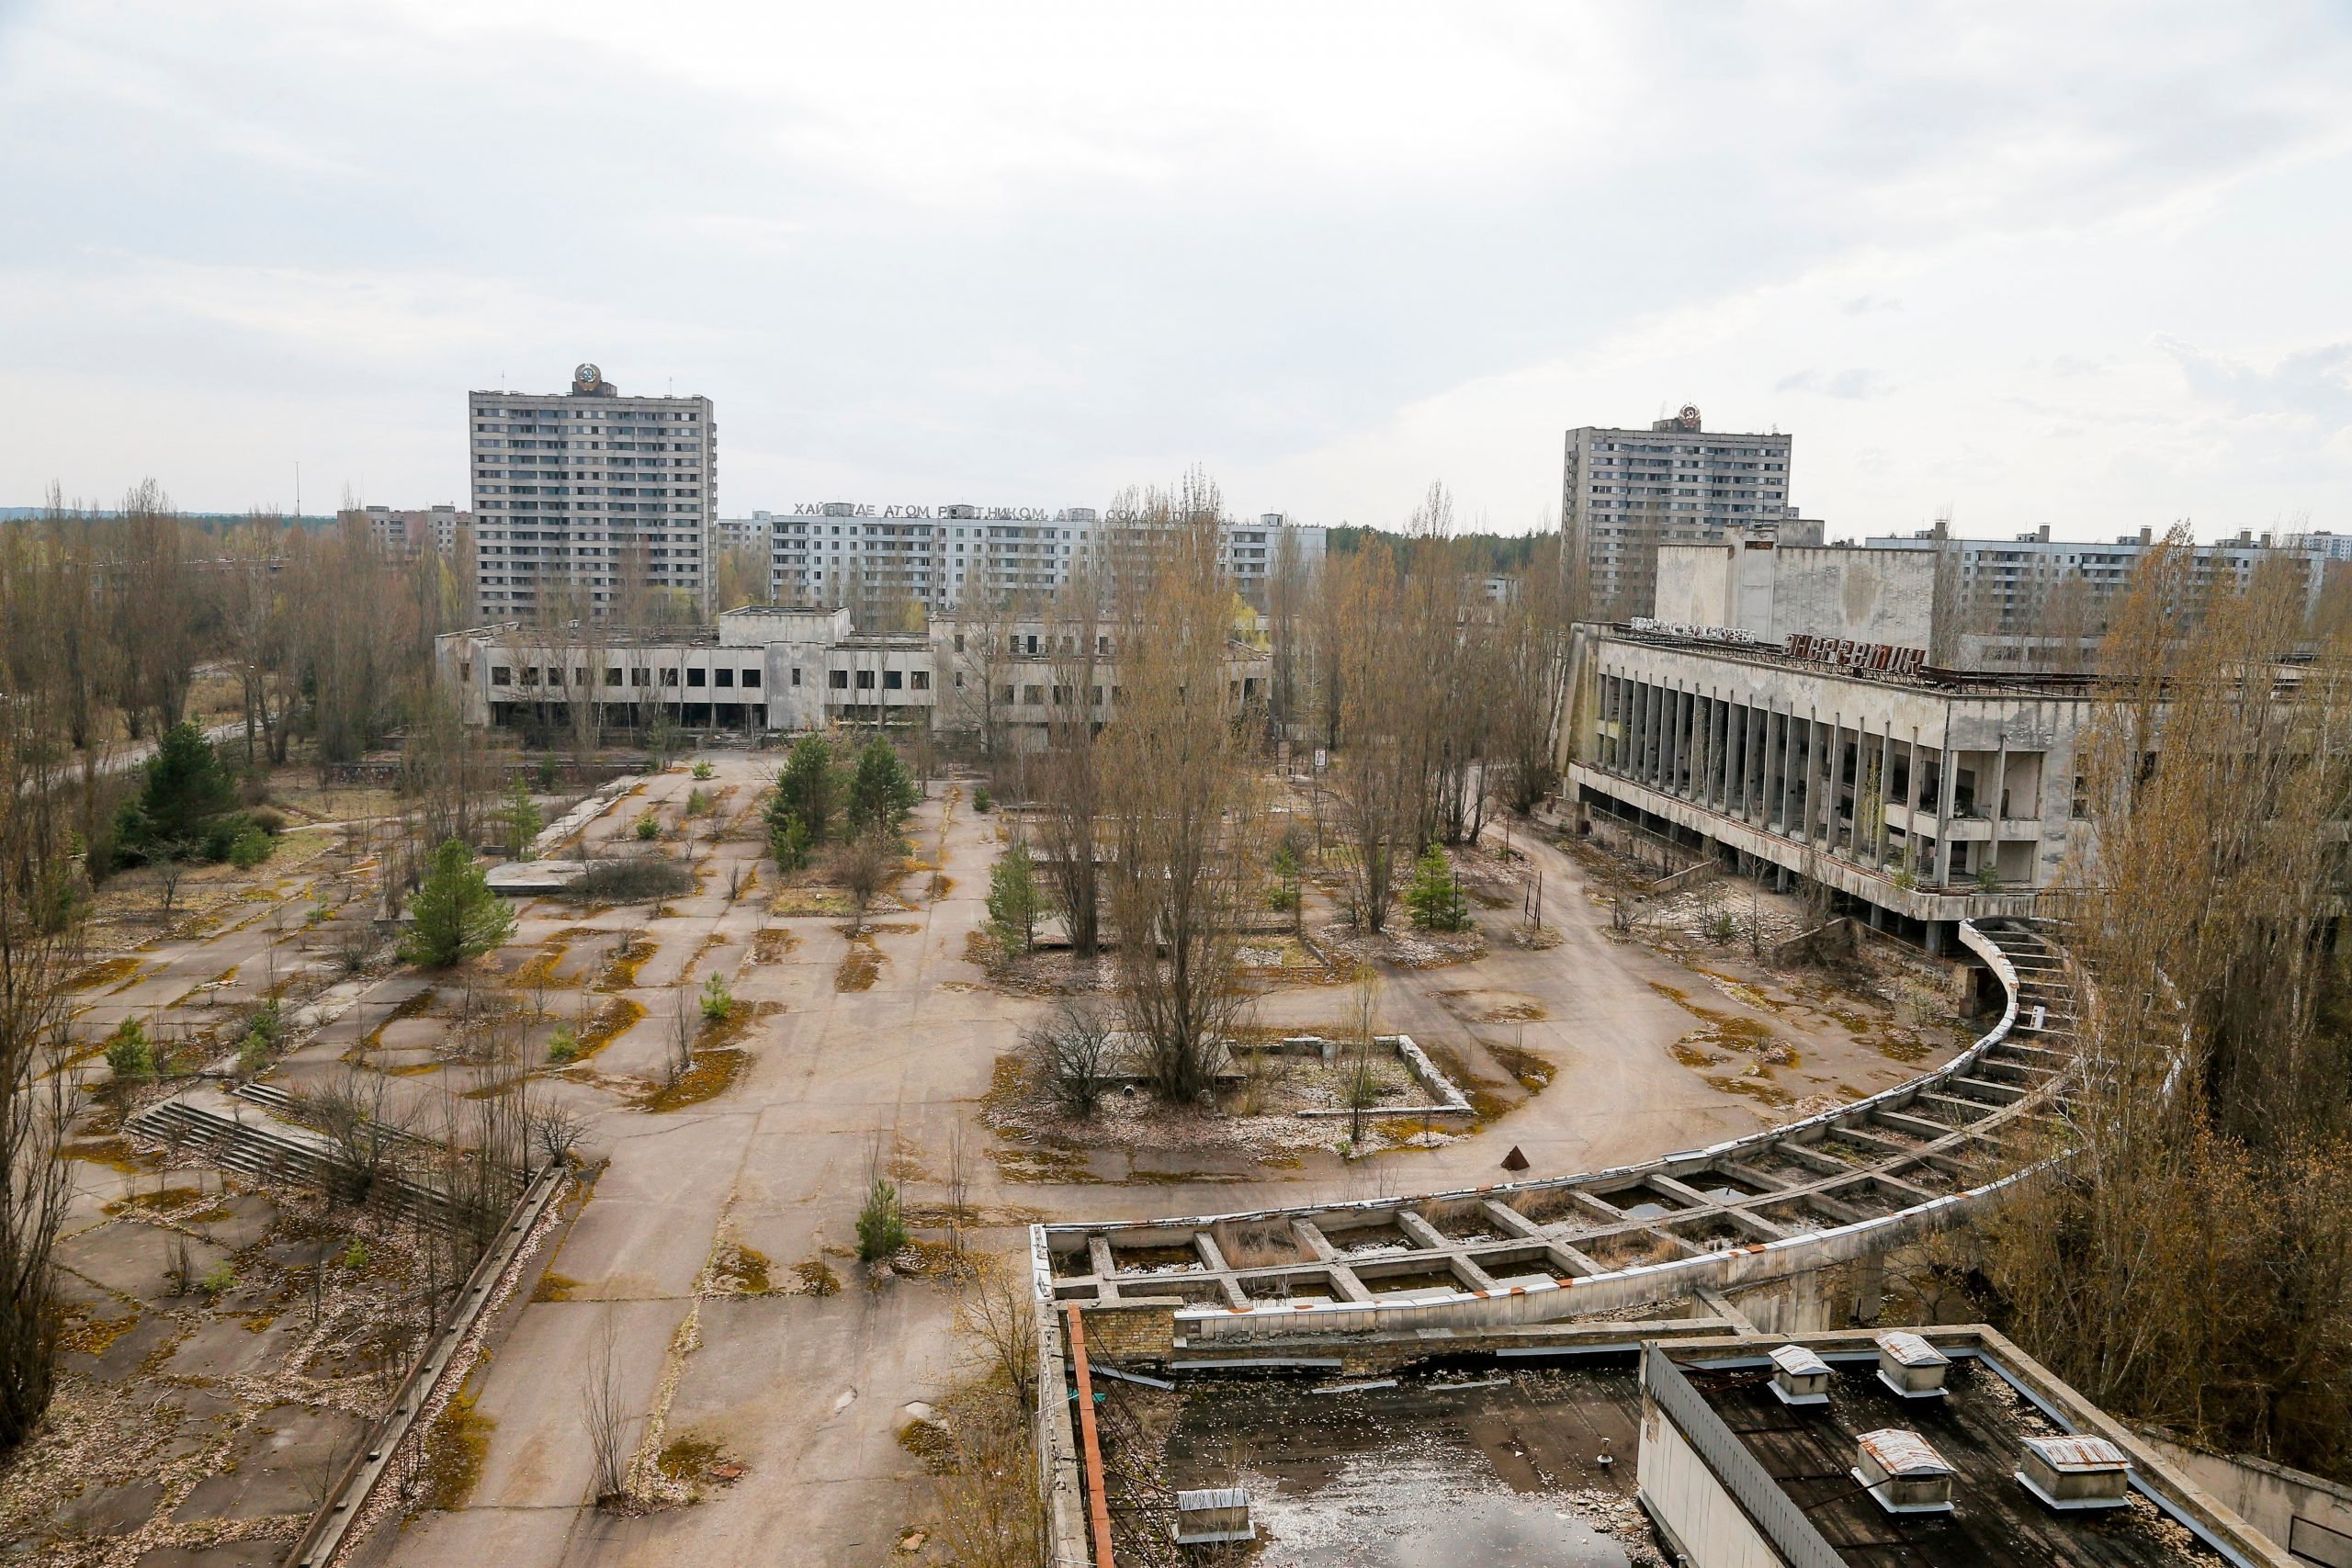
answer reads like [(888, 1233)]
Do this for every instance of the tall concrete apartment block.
[(1625, 492), (584, 498)]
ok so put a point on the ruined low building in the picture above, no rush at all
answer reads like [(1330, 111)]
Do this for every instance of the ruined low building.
[(771, 668)]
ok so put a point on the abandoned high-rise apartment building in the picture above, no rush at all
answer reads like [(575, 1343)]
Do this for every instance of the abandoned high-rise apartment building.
[(588, 503)]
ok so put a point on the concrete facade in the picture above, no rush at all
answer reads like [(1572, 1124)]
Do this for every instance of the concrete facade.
[(1758, 583), (584, 496), (781, 668), (1926, 800)]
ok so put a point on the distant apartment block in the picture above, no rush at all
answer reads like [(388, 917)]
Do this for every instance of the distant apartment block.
[(1624, 493), (942, 558), (2010, 588), (413, 531), (751, 533), (587, 500)]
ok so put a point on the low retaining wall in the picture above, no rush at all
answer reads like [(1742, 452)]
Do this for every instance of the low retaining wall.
[(438, 1371)]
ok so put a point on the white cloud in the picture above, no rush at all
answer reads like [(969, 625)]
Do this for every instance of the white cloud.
[(2067, 265)]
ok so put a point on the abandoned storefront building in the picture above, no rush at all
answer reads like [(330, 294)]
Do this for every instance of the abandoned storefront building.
[(778, 669)]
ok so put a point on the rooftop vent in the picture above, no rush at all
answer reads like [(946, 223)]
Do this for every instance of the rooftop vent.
[(1902, 1472), (1203, 1518), (959, 509), (840, 509), (1080, 514), (1910, 1366), (2076, 1472), (1800, 1377)]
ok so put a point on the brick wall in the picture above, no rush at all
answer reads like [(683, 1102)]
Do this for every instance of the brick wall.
[(1139, 1330)]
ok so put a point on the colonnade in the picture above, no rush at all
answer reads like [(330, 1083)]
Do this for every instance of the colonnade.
[(1822, 779)]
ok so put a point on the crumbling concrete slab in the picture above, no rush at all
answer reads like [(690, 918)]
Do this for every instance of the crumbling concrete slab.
[(110, 1511), (529, 878), (122, 1356), (280, 1464), (228, 1554), (225, 1347), (130, 1258), (245, 1218)]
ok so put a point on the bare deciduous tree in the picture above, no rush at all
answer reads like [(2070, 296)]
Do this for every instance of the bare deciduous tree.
[(1179, 794), (2208, 1143)]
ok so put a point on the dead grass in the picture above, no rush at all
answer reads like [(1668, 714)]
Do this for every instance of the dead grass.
[(539, 969), (774, 945), (735, 1270), (107, 972), (615, 1019), (860, 966), (713, 1074), (620, 975), (1533, 1070), (455, 1447)]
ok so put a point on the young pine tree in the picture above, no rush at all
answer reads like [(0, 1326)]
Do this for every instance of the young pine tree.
[(455, 914), (519, 816), (808, 791), (184, 791), (881, 792), (1014, 901), (1437, 904)]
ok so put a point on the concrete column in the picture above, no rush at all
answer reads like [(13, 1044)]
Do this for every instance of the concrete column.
[(1948, 775), (1686, 721), (1777, 793), (1633, 764), (1637, 763), (1662, 765), (1653, 706), (1831, 796), (1736, 765), (2000, 789), (1885, 783), (1702, 745), (1723, 758), (1813, 749), (1685, 718)]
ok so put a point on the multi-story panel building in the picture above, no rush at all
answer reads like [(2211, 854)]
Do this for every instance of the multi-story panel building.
[(587, 499), (753, 533), (2011, 588), (1624, 493), (940, 559), (413, 531)]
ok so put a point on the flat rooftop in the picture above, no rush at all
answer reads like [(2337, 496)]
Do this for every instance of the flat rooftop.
[(1491, 1464), (1977, 1427), (1929, 678)]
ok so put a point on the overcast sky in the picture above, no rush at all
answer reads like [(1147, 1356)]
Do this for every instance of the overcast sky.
[(2039, 264)]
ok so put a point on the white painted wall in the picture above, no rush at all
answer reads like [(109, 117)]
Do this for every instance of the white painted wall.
[(1684, 1496)]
